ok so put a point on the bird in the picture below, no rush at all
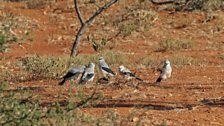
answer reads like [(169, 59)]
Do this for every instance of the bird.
[(73, 73), (105, 68), (127, 73), (166, 71), (88, 74)]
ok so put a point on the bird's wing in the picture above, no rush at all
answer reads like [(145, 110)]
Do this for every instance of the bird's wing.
[(132, 75), (89, 76), (128, 73), (108, 70), (86, 77), (71, 74), (163, 70), (104, 64)]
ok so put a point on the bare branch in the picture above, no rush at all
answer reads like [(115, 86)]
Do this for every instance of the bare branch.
[(85, 24), (100, 10), (78, 12), (162, 2), (77, 39)]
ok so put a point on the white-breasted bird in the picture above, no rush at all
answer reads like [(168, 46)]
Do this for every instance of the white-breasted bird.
[(166, 71), (88, 74), (105, 68), (127, 73), (73, 73)]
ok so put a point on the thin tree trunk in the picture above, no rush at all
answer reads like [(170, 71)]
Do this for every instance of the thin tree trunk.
[(77, 40), (85, 24)]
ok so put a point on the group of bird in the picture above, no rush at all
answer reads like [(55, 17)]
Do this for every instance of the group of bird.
[(88, 74)]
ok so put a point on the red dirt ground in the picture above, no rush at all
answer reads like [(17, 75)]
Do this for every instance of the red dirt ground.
[(193, 96)]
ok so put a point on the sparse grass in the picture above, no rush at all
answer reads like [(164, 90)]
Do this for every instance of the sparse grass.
[(19, 108), (149, 62), (205, 5), (162, 124), (2, 44), (170, 44), (43, 67), (180, 61), (37, 4), (98, 45), (176, 60), (127, 28), (113, 58), (35, 67), (14, 76), (14, 29), (216, 46), (221, 56), (192, 5), (136, 20), (14, 0)]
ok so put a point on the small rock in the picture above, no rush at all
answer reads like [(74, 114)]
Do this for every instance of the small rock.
[(136, 91), (135, 119)]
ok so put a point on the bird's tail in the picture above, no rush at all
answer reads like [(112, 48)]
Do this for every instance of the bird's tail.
[(62, 82), (159, 79), (138, 78)]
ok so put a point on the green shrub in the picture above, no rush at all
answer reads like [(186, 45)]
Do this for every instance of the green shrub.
[(43, 67), (2, 44)]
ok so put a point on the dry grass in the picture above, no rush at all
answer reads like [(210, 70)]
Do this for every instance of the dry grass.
[(135, 19), (149, 62), (213, 5), (180, 61), (35, 67), (221, 56), (193, 5), (21, 108), (173, 45), (37, 4), (14, 28)]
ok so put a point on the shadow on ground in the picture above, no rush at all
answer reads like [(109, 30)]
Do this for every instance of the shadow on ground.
[(213, 102)]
